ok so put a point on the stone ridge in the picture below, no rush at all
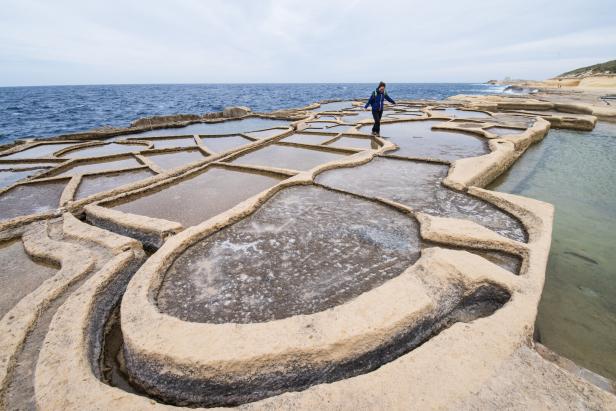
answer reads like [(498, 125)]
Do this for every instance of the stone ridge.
[(437, 329)]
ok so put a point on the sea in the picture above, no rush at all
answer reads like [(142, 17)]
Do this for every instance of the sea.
[(44, 111)]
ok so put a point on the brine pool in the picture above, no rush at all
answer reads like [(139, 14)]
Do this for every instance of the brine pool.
[(576, 172)]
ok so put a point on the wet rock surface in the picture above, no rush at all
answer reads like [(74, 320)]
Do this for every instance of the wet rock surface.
[(355, 118), (307, 138), (330, 129), (9, 177), (457, 113), (199, 197), (504, 131), (173, 142), (291, 158), (19, 273), (417, 140), (174, 159), (253, 294), (102, 150), (354, 142), (265, 133), (226, 127), (305, 250), (453, 306), (221, 144), (93, 184), (88, 167), (335, 106), (509, 262), (31, 198), (42, 150), (418, 186), (320, 124)]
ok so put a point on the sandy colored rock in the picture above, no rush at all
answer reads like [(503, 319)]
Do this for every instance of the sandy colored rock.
[(445, 328)]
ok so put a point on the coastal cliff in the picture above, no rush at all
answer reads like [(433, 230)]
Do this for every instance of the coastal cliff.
[(597, 76)]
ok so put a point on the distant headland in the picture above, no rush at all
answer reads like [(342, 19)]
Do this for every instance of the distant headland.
[(597, 76)]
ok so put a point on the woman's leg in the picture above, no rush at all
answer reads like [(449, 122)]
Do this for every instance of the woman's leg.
[(377, 119)]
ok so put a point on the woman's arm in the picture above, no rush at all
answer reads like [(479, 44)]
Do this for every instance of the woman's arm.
[(389, 99), (369, 100)]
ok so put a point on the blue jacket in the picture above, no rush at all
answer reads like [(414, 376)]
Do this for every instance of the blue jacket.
[(377, 100)]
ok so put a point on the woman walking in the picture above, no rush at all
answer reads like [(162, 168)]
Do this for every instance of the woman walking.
[(377, 101)]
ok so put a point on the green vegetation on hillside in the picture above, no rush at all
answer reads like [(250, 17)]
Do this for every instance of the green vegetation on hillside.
[(601, 68)]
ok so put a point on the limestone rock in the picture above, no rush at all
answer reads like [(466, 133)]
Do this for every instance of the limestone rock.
[(159, 120), (236, 111)]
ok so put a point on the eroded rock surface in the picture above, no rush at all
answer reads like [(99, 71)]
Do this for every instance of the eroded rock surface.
[(195, 199), (19, 273), (419, 140), (305, 250), (31, 198), (290, 158), (419, 186), (289, 252)]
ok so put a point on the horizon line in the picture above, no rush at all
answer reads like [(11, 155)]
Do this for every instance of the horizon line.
[(238, 83)]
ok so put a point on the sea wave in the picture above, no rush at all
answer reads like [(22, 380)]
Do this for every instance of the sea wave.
[(47, 111)]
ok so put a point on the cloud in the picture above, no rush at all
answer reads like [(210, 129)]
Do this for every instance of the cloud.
[(188, 41)]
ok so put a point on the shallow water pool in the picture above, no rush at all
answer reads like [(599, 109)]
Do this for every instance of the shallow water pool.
[(575, 171)]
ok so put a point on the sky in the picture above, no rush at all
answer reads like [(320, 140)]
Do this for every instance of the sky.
[(45, 42)]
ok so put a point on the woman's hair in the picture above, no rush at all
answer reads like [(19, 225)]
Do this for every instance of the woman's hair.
[(381, 84)]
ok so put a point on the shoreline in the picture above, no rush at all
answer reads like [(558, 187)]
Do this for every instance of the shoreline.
[(63, 110)]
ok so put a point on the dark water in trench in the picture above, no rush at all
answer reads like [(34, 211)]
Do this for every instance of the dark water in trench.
[(575, 171)]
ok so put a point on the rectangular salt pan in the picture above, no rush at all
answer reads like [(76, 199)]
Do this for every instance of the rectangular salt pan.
[(226, 127), (94, 167), (222, 144), (43, 150), (103, 150), (10, 177), (291, 158), (338, 105), (20, 275), (200, 197), (266, 133), (175, 159), (418, 185), (417, 140), (31, 198), (98, 183), (173, 142), (354, 142), (305, 138)]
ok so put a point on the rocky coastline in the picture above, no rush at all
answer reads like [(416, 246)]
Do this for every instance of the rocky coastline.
[(287, 260)]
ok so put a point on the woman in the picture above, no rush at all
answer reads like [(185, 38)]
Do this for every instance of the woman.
[(377, 101)]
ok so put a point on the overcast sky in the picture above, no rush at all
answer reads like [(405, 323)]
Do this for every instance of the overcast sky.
[(203, 41)]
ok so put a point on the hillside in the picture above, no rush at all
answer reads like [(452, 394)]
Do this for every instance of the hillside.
[(609, 67)]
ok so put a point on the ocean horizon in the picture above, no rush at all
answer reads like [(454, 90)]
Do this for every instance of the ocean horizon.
[(45, 111)]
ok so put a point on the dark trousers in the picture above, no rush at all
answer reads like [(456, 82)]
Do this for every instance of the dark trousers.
[(377, 114)]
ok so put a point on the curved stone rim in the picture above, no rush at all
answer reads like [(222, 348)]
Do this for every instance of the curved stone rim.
[(512, 324), (486, 167), (75, 262), (228, 351), (409, 377)]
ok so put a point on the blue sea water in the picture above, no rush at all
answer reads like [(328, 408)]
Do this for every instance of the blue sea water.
[(51, 110)]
